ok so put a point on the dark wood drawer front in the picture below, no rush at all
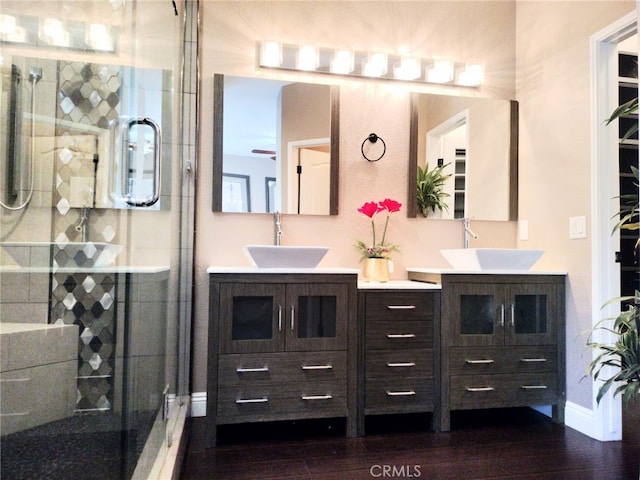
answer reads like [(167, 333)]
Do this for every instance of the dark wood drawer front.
[(487, 391), (258, 368), (401, 395), (479, 360), (398, 364), (399, 334), (312, 398), (399, 306)]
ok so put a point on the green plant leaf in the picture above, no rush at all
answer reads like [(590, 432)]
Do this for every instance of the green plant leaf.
[(430, 195)]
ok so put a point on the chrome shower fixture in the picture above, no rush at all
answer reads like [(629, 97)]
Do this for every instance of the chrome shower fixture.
[(35, 74)]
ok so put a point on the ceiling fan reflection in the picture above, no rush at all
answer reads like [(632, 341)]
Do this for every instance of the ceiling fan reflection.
[(265, 152)]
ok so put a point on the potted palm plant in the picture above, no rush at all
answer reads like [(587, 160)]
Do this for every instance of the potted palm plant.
[(430, 193), (624, 353)]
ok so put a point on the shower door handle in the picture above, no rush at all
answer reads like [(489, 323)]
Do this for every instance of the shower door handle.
[(128, 151)]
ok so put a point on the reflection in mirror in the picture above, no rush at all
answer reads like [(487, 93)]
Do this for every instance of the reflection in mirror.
[(98, 126), (281, 139), (478, 139)]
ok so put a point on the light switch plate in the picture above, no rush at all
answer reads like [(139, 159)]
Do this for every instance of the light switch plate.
[(578, 227)]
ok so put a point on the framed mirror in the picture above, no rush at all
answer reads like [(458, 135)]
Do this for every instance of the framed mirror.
[(476, 140), (282, 137)]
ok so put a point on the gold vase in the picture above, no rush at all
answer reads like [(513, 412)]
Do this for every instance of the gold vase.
[(375, 270)]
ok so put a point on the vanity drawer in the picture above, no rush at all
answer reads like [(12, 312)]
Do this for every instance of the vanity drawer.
[(244, 369), (257, 402), (399, 395), (398, 364), (392, 306), (494, 391), (401, 334), (479, 360)]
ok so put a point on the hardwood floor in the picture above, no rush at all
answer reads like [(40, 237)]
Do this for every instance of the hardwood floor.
[(485, 444)]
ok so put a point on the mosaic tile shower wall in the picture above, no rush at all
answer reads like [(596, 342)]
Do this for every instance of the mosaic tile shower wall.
[(88, 94), (89, 301)]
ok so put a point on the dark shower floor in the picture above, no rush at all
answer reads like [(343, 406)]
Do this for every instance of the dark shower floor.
[(88, 446)]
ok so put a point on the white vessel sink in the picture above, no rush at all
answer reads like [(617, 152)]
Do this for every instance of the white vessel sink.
[(272, 256), (478, 259)]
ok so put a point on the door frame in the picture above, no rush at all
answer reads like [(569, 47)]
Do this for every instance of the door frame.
[(288, 184), (605, 273)]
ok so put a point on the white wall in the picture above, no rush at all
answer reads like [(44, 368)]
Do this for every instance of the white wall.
[(553, 88), (460, 29)]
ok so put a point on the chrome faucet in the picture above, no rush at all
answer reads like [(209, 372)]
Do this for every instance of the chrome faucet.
[(83, 224), (277, 234), (466, 222)]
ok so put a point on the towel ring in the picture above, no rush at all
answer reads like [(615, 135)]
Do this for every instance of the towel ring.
[(373, 138)]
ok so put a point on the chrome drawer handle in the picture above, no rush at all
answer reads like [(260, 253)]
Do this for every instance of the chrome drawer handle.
[(252, 400), (401, 307), (317, 367), (248, 370), (406, 393), (293, 317), (401, 364), (480, 389), (279, 318), (317, 397), (401, 335), (533, 387), (478, 362), (533, 360)]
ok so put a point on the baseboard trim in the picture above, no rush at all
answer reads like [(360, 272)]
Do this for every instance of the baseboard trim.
[(199, 404), (580, 418)]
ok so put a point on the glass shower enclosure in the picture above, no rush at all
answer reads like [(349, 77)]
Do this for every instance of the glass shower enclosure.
[(92, 327)]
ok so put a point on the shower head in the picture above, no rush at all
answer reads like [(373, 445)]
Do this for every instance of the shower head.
[(35, 74)]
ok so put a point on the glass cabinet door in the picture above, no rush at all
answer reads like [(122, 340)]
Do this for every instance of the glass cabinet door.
[(316, 317), (477, 314), (531, 314), (252, 318)]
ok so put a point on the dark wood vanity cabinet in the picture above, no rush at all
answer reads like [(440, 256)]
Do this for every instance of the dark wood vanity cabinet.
[(281, 347), (399, 357), (502, 342)]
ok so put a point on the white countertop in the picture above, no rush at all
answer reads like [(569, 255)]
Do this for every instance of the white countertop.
[(110, 269), (397, 285), (454, 271), (321, 270)]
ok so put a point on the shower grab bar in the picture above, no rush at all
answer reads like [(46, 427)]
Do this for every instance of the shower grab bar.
[(128, 148), (12, 132)]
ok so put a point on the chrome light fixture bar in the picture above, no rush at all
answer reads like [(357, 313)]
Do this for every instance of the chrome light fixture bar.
[(380, 65), (57, 33)]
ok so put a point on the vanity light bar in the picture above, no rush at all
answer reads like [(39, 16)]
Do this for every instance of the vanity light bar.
[(368, 64), (56, 32)]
